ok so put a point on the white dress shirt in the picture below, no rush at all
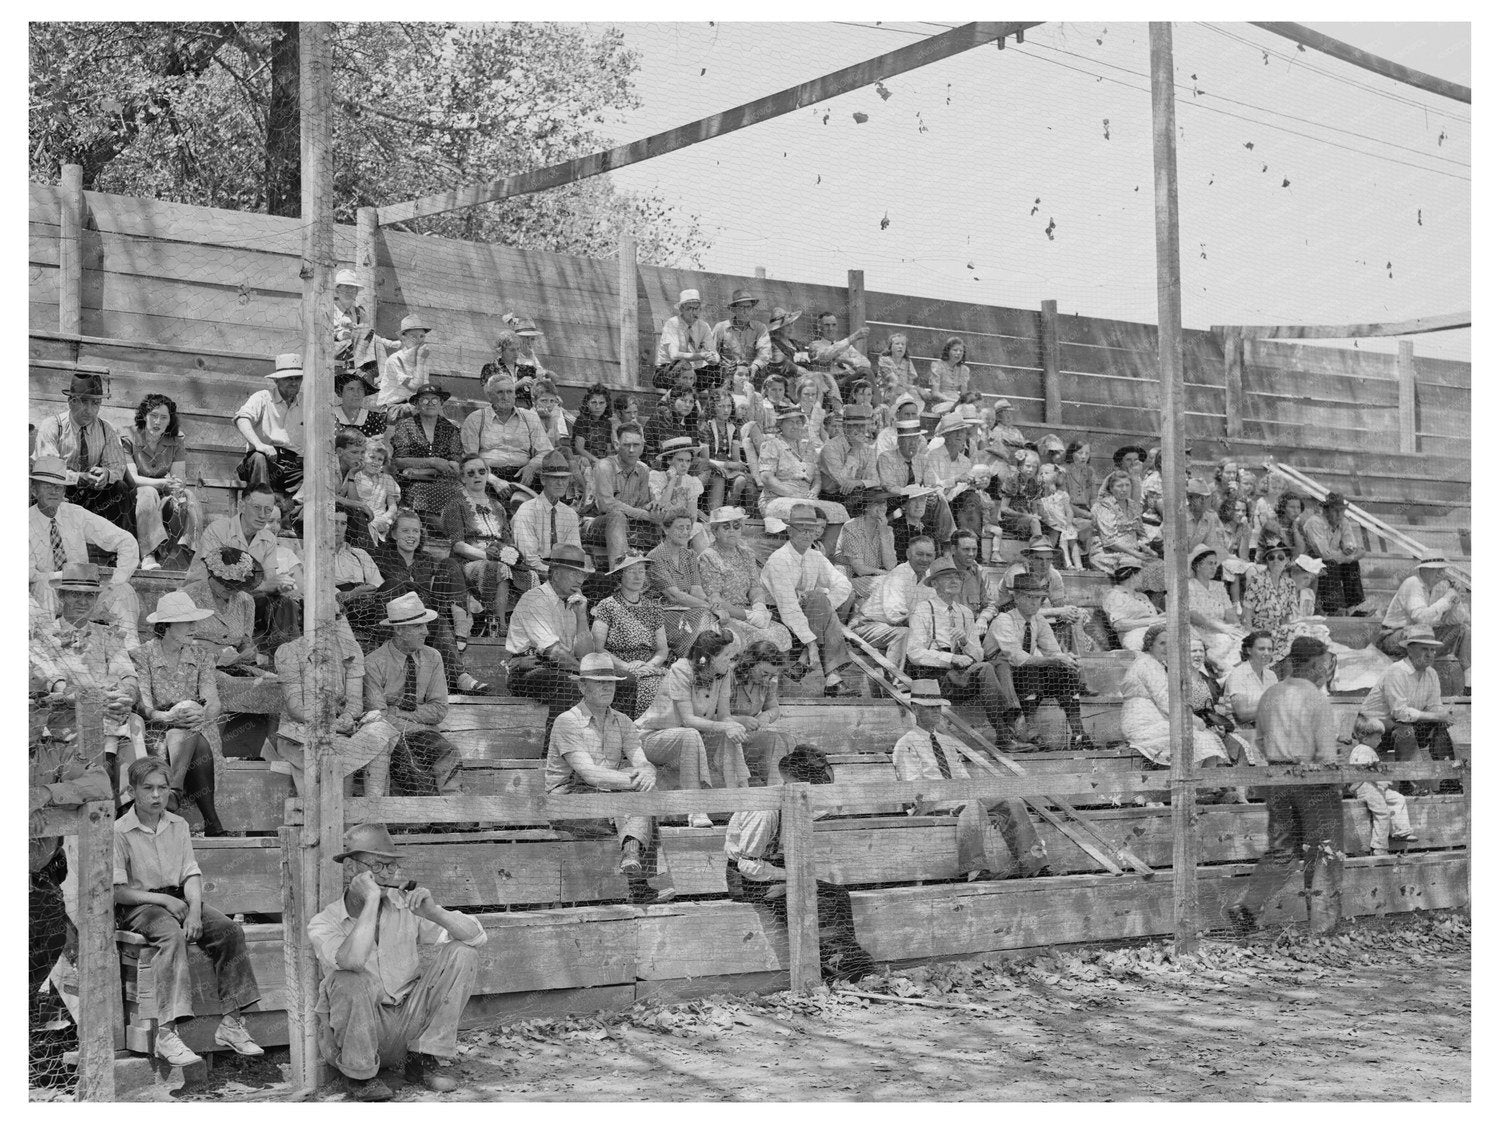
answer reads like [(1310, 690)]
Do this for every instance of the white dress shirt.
[(939, 632), (1009, 630), (79, 527), (894, 595), (532, 528), (1413, 604), (788, 575)]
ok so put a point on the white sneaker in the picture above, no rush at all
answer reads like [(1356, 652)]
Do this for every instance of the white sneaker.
[(172, 1049), (149, 563), (699, 819), (233, 1033)]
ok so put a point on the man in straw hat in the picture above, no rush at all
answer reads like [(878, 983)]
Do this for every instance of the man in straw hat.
[(406, 369), (270, 421), (355, 345), (1039, 668), (544, 521), (809, 594), (743, 344), (685, 351), (1404, 713), (1038, 561), (405, 684), (944, 644), (928, 754), (948, 467), (378, 1004), (61, 533), (1429, 598), (549, 634), (846, 463), (1296, 724), (902, 470), (1335, 539), (510, 438), (595, 748), (90, 449)]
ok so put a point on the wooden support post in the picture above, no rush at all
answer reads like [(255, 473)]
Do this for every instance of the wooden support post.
[(320, 880), (98, 964), (1234, 384), (365, 233), (1406, 394), (70, 252), (630, 314), (857, 304), (1174, 477), (299, 867), (801, 887), (1051, 365)]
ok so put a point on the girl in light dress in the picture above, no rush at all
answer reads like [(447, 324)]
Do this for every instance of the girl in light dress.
[(1234, 515), (376, 488), (1057, 514)]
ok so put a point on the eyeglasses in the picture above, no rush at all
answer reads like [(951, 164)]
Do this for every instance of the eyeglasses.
[(381, 868), (732, 524)]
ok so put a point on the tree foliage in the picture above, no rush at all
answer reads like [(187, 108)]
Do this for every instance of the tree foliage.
[(186, 112)]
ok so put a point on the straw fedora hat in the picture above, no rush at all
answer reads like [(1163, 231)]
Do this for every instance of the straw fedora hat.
[(566, 554), (726, 515), (414, 323), (80, 576), (688, 296), (407, 609), (1420, 634), (175, 608), (625, 563), (944, 565), (743, 296), (952, 422), (49, 470), (368, 839), (598, 666), (347, 277), (926, 692), (288, 365)]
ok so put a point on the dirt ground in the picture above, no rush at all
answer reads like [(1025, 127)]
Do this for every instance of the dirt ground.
[(1381, 1013)]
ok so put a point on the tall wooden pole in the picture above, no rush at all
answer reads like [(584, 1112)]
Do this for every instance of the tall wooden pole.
[(857, 304), (630, 314), (1051, 365), (365, 233), (70, 252), (1406, 394), (323, 797), (1174, 497), (801, 888)]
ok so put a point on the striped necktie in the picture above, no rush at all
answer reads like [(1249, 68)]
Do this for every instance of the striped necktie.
[(59, 553), (941, 757)]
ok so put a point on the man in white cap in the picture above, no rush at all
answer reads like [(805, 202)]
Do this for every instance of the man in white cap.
[(60, 535), (685, 351), (1429, 598), (406, 369), (743, 344), (808, 594), (270, 421), (1404, 713), (544, 521), (90, 449), (405, 684), (595, 748), (948, 467), (378, 1005), (928, 754)]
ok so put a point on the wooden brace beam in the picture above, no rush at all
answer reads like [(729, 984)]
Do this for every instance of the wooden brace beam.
[(1307, 37), (1421, 324)]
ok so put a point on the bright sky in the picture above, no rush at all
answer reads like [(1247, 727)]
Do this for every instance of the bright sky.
[(1311, 191)]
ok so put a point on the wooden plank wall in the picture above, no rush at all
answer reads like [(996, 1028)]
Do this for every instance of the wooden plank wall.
[(211, 294)]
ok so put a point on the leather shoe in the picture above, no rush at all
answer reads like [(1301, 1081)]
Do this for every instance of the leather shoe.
[(1081, 743), (372, 1089), (423, 1069)]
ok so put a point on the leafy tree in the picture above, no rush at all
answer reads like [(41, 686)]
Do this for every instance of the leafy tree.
[(207, 113)]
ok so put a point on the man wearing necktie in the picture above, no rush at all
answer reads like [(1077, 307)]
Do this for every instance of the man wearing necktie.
[(404, 682), (1039, 668), (925, 754), (900, 470), (544, 521), (90, 448)]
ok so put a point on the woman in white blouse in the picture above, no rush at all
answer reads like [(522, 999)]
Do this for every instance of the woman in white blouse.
[(1129, 610), (1250, 679), (1214, 618), (1144, 718)]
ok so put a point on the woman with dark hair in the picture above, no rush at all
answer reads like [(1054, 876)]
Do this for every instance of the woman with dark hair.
[(1270, 591), (1290, 509), (1079, 478), (476, 525), (1145, 720), (425, 450), (1120, 535), (755, 703), (353, 387), (720, 438), (948, 377), (167, 513), (592, 436), (1251, 677), (1234, 517), (1131, 613), (632, 628)]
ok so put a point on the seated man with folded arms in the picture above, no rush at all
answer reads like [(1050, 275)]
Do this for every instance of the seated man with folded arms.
[(1430, 599), (884, 616), (944, 644), (927, 754), (405, 685), (1404, 713), (755, 871), (808, 594), (378, 1004), (963, 549), (1039, 669), (595, 748), (158, 892)]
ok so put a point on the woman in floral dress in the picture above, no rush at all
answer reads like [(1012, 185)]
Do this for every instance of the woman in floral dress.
[(632, 628)]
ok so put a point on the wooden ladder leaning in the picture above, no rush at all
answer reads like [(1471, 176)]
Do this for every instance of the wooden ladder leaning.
[(1088, 836)]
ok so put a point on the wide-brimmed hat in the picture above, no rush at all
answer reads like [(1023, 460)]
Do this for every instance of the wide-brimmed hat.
[(743, 296), (525, 326), (49, 470), (861, 414), (368, 839), (235, 568), (344, 378), (1025, 583), (625, 563), (598, 666), (88, 384), (1270, 546), (687, 295), (781, 318), (566, 554), (177, 607), (1198, 552), (555, 463), (1432, 562), (82, 576), (288, 365), (1420, 634), (430, 388), (407, 609), (347, 277), (1039, 545), (954, 421), (1309, 563), (725, 515), (789, 412), (1003, 404), (414, 323), (1335, 499), (909, 427), (1197, 486), (927, 692), (1119, 454), (802, 515), (674, 445), (944, 565)]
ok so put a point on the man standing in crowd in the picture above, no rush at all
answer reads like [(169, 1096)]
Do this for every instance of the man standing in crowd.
[(1428, 599), (509, 438), (270, 421), (595, 748), (622, 499), (808, 593), (1297, 725), (90, 450), (378, 1005), (926, 754)]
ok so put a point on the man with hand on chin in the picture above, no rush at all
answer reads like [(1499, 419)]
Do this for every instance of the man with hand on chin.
[(377, 1004)]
